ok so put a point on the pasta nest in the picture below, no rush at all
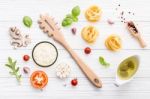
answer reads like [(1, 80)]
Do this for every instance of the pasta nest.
[(89, 34), (113, 43), (93, 13)]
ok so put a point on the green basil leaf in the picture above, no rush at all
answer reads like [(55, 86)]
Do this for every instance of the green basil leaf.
[(27, 21), (103, 62), (67, 22), (76, 11), (64, 23), (75, 19)]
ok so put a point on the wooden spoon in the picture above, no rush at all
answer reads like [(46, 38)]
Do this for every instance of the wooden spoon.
[(48, 25), (135, 32)]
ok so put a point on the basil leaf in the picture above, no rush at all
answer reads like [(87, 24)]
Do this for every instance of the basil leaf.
[(74, 18), (27, 21), (67, 22), (64, 23), (103, 62), (70, 18), (76, 11)]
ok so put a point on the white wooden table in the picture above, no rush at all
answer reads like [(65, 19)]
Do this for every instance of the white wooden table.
[(11, 14)]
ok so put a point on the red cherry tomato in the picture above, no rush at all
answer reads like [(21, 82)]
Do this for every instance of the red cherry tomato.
[(87, 50), (26, 57), (74, 82)]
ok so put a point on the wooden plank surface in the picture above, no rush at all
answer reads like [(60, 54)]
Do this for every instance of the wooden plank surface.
[(11, 14)]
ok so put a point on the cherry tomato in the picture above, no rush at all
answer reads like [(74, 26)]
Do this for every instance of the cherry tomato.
[(26, 57), (39, 79), (87, 50), (74, 82)]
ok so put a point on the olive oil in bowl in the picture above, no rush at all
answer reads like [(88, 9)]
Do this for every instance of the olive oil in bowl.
[(128, 68)]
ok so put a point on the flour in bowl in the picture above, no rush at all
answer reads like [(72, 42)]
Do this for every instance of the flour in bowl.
[(44, 54)]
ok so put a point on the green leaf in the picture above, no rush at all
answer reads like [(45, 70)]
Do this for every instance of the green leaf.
[(27, 21), (18, 77), (8, 66), (103, 62), (10, 60), (17, 69), (64, 23), (14, 63), (13, 69), (75, 19), (67, 22), (76, 11)]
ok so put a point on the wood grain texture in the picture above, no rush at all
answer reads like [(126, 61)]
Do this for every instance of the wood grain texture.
[(11, 14)]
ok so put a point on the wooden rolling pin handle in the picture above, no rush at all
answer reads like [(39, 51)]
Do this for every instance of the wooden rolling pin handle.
[(87, 71), (141, 41)]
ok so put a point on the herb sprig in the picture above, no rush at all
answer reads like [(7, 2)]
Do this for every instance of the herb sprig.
[(14, 70), (73, 17)]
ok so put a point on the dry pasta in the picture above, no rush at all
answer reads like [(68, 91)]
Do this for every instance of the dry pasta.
[(93, 13), (89, 34), (113, 42)]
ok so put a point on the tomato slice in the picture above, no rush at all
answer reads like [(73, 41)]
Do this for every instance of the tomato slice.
[(39, 79)]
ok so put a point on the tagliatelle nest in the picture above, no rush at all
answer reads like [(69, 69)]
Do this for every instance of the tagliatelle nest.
[(113, 43), (93, 13), (63, 70), (89, 34)]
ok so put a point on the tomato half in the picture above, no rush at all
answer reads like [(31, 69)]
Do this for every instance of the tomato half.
[(39, 79)]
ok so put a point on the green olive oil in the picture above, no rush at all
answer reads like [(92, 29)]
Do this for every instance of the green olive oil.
[(128, 68)]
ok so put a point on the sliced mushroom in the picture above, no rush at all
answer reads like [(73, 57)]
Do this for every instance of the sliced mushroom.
[(26, 40), (18, 40), (16, 43), (15, 33)]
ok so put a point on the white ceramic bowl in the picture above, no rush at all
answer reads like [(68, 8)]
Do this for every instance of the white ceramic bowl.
[(118, 81)]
